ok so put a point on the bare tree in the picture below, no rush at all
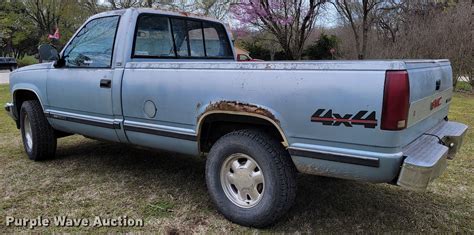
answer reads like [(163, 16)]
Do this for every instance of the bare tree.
[(49, 14), (120, 4), (390, 19), (92, 6), (218, 9), (176, 5), (361, 15), (45, 14), (408, 29)]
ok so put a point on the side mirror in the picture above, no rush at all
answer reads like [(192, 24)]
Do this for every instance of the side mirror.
[(48, 53)]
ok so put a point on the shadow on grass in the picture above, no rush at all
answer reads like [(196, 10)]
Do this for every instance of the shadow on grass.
[(323, 204)]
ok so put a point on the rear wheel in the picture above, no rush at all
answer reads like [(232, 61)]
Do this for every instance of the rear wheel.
[(250, 178), (38, 136)]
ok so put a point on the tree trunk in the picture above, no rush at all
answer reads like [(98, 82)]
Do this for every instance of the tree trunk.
[(365, 32), (357, 42)]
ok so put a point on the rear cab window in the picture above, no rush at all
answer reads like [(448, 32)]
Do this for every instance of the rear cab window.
[(161, 36)]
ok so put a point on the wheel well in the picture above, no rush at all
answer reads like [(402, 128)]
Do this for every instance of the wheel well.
[(19, 97), (216, 125)]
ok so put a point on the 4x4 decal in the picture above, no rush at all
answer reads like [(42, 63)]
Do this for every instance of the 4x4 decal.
[(334, 119)]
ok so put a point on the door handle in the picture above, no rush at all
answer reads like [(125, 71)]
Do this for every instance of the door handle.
[(105, 83)]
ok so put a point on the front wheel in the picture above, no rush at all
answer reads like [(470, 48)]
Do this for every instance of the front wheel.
[(250, 178), (38, 136)]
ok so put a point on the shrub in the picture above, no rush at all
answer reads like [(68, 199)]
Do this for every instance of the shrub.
[(27, 60), (257, 51), (463, 86), (321, 49)]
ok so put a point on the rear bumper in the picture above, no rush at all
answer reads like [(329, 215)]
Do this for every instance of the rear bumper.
[(426, 157)]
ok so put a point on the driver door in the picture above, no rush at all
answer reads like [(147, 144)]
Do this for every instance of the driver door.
[(80, 93)]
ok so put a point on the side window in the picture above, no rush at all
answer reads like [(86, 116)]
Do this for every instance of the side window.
[(216, 41), (153, 37), (93, 44), (180, 35), (188, 37), (196, 40)]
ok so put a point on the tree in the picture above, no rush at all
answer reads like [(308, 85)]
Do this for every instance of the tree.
[(45, 14), (390, 20), (429, 29), (361, 15), (291, 22), (16, 38), (214, 8), (261, 45), (92, 6), (257, 51), (68, 15), (122, 4), (325, 48)]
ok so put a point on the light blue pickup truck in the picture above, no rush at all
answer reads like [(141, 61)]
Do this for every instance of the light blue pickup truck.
[(171, 81)]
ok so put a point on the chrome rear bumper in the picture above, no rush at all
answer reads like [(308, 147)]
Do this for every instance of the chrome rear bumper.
[(426, 157)]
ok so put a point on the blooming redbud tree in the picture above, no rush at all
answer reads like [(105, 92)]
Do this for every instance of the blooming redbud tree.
[(290, 21)]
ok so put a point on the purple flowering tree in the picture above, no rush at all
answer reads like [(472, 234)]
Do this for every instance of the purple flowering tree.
[(290, 21)]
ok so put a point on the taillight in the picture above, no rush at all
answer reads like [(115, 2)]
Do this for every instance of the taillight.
[(396, 101)]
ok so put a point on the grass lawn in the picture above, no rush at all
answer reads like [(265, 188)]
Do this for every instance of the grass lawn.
[(91, 178)]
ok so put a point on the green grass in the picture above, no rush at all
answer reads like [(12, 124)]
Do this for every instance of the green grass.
[(159, 209), (463, 86), (91, 178)]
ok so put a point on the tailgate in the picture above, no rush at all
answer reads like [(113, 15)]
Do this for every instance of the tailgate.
[(431, 90)]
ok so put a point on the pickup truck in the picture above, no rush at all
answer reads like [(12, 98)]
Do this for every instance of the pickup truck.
[(171, 81), (8, 63)]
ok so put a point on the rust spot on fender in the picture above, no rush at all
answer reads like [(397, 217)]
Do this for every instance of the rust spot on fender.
[(235, 106)]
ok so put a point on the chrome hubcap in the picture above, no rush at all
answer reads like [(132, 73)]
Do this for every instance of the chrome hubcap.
[(28, 132), (242, 180)]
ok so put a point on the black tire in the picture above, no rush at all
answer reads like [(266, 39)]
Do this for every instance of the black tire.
[(42, 134), (277, 168)]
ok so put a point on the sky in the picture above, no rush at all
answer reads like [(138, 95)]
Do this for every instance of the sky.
[(328, 18)]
